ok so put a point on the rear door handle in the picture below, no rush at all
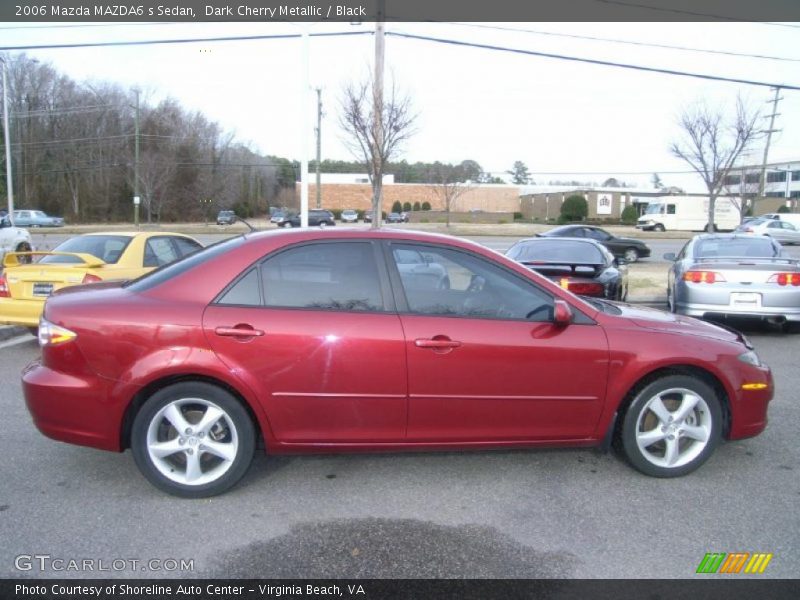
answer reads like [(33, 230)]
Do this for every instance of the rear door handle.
[(239, 331), (437, 344)]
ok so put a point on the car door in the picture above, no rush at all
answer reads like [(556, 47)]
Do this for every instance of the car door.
[(485, 360), (606, 239), (312, 330)]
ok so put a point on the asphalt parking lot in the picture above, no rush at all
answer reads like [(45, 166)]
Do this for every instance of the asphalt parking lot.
[(543, 513)]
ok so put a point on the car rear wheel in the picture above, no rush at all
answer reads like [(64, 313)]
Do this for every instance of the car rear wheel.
[(659, 227), (193, 440), (631, 255), (672, 426)]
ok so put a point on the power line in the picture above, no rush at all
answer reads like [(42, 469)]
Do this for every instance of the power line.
[(72, 140), (605, 63), (61, 111), (232, 38), (628, 42)]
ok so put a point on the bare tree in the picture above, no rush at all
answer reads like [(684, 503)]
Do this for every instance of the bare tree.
[(375, 138), (711, 145), (451, 183)]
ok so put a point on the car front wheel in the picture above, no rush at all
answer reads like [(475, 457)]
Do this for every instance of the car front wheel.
[(672, 426), (193, 440)]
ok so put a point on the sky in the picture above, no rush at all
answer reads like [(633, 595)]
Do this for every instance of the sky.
[(565, 120)]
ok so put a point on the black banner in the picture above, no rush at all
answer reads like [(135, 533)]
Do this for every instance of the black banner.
[(373, 589), (398, 10)]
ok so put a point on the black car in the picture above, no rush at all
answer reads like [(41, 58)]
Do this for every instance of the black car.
[(316, 218), (628, 248), (397, 218), (583, 267), (226, 217)]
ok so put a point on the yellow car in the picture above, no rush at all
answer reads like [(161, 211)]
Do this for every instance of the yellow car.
[(25, 283)]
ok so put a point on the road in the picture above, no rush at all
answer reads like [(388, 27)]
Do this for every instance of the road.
[(545, 513), (659, 246)]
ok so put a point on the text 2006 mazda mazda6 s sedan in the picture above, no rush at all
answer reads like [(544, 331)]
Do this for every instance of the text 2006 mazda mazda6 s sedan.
[(317, 341)]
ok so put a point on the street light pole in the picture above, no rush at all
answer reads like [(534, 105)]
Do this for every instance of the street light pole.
[(136, 197), (9, 180)]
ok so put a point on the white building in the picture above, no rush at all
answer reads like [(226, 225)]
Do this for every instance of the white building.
[(783, 180)]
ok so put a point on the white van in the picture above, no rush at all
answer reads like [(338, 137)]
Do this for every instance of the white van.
[(793, 218), (689, 213)]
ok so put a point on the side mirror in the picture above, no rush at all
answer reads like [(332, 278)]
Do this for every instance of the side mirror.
[(562, 314), (670, 256)]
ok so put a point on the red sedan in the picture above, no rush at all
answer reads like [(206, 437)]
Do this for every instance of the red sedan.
[(321, 341)]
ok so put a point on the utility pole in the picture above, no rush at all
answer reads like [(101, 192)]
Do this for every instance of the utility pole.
[(377, 109), (7, 139), (763, 179), (136, 198), (319, 146)]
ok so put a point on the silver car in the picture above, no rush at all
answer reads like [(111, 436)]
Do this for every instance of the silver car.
[(783, 231), (733, 274)]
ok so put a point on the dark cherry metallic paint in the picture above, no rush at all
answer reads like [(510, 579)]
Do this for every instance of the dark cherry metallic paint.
[(329, 381)]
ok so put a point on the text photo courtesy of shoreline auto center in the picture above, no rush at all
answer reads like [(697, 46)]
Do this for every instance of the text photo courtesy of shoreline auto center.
[(398, 299)]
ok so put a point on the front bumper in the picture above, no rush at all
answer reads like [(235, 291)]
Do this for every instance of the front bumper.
[(14, 311)]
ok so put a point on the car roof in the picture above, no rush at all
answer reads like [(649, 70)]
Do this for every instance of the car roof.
[(558, 240), (134, 234)]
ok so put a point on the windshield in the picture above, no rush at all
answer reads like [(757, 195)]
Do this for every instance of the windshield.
[(173, 269), (108, 248), (565, 251), (736, 247), (654, 209)]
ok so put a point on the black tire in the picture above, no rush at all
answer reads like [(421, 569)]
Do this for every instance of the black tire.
[(34, 331), (671, 301), (631, 255), (659, 227), (671, 440), (232, 432)]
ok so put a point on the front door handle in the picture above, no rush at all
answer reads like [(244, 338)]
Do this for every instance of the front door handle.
[(239, 331), (439, 343)]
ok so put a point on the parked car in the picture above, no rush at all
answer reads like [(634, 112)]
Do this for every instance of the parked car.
[(316, 218), (777, 229), (628, 248), (90, 258), (368, 216), (349, 216), (314, 342), (36, 218), (723, 275), (581, 266), (397, 218), (281, 218), (793, 218), (226, 217), (13, 239)]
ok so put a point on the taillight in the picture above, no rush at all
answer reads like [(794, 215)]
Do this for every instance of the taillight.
[(89, 278), (51, 334), (779, 278), (4, 287), (582, 288), (703, 277)]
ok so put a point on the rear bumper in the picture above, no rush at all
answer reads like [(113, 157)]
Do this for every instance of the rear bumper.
[(21, 312), (722, 310), (76, 410)]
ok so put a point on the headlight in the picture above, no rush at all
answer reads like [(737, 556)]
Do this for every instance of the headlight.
[(751, 358)]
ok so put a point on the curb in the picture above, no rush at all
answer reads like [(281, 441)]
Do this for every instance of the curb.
[(9, 331)]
